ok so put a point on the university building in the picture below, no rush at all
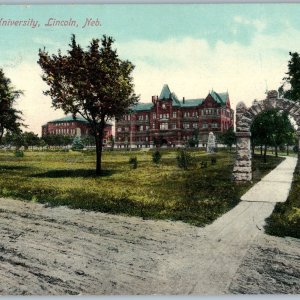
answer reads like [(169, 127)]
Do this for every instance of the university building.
[(170, 121), (72, 127)]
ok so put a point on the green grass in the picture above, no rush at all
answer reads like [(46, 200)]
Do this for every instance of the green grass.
[(164, 191), (285, 219)]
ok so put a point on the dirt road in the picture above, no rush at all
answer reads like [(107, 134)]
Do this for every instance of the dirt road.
[(59, 251)]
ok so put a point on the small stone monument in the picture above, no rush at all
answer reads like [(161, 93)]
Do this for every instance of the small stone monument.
[(211, 143)]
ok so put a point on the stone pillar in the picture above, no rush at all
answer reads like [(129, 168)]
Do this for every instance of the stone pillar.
[(242, 170)]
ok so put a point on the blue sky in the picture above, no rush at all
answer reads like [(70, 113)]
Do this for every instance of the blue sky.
[(242, 48)]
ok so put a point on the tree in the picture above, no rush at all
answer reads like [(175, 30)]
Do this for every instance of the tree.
[(77, 143), (228, 138), (31, 139), (10, 118), (271, 128), (290, 88), (95, 84)]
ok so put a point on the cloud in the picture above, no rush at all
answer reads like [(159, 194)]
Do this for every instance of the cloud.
[(35, 106), (191, 67), (258, 24)]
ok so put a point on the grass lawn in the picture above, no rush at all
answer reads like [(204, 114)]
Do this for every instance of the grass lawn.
[(285, 219), (197, 195)]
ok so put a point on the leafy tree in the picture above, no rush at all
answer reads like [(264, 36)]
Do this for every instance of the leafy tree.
[(30, 139), (228, 138), (77, 143), (290, 88), (10, 118), (271, 128), (95, 84)]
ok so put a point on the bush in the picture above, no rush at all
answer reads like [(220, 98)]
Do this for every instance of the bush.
[(77, 144), (203, 164), (213, 160), (133, 162), (156, 157), (19, 153), (184, 159)]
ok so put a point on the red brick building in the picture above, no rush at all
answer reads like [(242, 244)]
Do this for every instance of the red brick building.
[(72, 127), (167, 120)]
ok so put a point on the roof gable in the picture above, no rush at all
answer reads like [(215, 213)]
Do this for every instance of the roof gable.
[(220, 98)]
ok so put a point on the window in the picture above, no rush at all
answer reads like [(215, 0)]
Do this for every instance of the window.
[(146, 117), (141, 118), (147, 127), (153, 125), (163, 106), (119, 129), (195, 125), (146, 138), (163, 126), (154, 116), (186, 125), (126, 128), (141, 128), (174, 114), (214, 125), (204, 125), (160, 116), (174, 126)]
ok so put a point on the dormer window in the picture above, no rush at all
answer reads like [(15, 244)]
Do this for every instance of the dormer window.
[(163, 106)]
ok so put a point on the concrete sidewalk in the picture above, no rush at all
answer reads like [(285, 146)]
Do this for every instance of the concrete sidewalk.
[(275, 186)]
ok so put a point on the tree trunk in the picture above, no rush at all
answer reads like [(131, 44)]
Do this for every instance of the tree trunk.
[(261, 150), (99, 146), (265, 154), (276, 150), (287, 150)]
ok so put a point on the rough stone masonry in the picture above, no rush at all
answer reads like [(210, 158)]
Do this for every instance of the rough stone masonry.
[(242, 170)]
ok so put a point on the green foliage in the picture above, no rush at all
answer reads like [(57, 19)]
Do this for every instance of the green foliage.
[(213, 160), (77, 144), (285, 219), (10, 118), (272, 128), (292, 80), (95, 84), (184, 159), (133, 162), (156, 157), (19, 153), (228, 138)]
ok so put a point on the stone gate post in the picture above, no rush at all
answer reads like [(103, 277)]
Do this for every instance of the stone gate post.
[(242, 170), (298, 134)]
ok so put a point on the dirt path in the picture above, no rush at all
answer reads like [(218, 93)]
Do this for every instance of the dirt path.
[(60, 251)]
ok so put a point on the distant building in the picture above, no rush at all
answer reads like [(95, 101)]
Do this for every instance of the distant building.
[(167, 120), (72, 127)]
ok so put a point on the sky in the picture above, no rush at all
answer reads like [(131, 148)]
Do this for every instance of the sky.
[(194, 48)]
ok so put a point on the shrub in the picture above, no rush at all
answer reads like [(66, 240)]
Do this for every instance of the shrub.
[(77, 144), (19, 153), (156, 157), (213, 160), (203, 164), (133, 162), (184, 159)]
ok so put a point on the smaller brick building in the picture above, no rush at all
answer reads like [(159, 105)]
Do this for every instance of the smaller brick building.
[(72, 127)]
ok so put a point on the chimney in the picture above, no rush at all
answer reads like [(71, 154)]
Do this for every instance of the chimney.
[(154, 99), (183, 100)]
